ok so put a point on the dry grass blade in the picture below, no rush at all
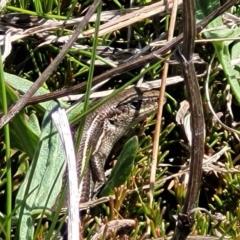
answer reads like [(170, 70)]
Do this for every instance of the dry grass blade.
[(136, 16), (160, 106), (60, 120)]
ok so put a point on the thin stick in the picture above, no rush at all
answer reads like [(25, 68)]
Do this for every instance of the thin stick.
[(185, 220), (160, 107)]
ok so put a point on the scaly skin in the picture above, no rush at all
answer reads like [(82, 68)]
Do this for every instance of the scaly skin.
[(104, 127)]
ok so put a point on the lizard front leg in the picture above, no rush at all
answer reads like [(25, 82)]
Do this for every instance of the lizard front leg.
[(97, 163)]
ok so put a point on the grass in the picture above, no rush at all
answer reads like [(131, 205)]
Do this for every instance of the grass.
[(34, 156)]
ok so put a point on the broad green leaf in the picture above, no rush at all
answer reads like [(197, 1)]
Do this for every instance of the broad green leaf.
[(122, 168), (25, 130), (44, 177), (222, 47), (22, 85), (23, 136), (33, 124)]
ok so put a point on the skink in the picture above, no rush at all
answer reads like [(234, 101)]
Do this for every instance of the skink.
[(104, 127)]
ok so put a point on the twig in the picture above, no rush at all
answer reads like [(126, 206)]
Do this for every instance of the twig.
[(185, 221)]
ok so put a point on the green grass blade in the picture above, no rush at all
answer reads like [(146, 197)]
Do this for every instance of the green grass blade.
[(8, 154)]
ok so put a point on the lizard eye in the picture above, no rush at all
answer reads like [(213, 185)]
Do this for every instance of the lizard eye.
[(136, 105)]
